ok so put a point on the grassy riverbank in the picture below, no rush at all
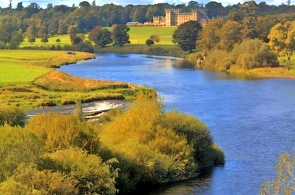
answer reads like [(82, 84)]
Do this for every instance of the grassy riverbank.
[(27, 81), (285, 70)]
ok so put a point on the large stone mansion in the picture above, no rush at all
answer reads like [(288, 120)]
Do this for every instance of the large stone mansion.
[(174, 17)]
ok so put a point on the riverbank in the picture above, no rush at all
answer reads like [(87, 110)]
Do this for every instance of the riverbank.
[(28, 81), (156, 49), (286, 71), (90, 110)]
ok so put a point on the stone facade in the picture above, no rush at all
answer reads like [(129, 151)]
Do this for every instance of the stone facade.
[(174, 17)]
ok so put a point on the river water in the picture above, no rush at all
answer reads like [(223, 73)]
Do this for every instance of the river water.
[(251, 120)]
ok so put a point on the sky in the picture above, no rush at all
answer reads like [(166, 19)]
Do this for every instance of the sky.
[(43, 3)]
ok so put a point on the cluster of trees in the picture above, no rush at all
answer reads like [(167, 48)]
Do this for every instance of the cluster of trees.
[(246, 39), (62, 154), (33, 21), (102, 36)]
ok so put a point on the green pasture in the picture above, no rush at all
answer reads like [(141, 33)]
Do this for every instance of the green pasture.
[(26, 65), (12, 72), (64, 40), (16, 65), (139, 35)]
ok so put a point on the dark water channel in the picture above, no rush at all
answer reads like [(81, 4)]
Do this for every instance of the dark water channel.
[(251, 120)]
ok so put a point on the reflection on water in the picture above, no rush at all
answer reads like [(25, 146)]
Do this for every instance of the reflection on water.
[(251, 120)]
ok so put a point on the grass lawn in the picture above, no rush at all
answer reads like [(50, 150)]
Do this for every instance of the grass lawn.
[(25, 66), (139, 35), (64, 40), (12, 72)]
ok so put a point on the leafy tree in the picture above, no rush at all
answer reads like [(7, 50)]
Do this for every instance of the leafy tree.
[(60, 131), (282, 38), (253, 53), (85, 4), (31, 39), (17, 146), (156, 38), (138, 15), (283, 183), (120, 35), (12, 116), (249, 28), (230, 35), (210, 35), (187, 34), (29, 180), (91, 174), (101, 37), (149, 42), (215, 9), (19, 6), (44, 39)]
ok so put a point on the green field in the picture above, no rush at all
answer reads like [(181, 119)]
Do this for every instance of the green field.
[(64, 40), (26, 65), (138, 35)]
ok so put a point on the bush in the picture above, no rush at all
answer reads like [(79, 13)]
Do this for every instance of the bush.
[(91, 174), (254, 53), (149, 42), (12, 116), (153, 147), (206, 154), (17, 146), (60, 131)]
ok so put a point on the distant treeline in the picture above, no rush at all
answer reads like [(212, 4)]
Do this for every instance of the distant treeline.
[(55, 19)]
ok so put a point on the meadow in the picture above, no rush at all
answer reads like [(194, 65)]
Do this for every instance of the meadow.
[(64, 40), (138, 36)]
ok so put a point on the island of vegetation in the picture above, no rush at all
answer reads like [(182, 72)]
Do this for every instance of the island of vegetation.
[(140, 145)]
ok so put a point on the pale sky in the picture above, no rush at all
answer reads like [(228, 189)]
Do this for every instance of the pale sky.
[(43, 3)]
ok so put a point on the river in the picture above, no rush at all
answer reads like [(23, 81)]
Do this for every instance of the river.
[(251, 120)]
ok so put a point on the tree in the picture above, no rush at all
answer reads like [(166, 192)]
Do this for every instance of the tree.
[(44, 39), (19, 6), (282, 38), (187, 34), (283, 183), (101, 37), (85, 4), (29, 180), (230, 35), (120, 35), (17, 146), (253, 53), (149, 42), (92, 174), (210, 35), (155, 38)]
